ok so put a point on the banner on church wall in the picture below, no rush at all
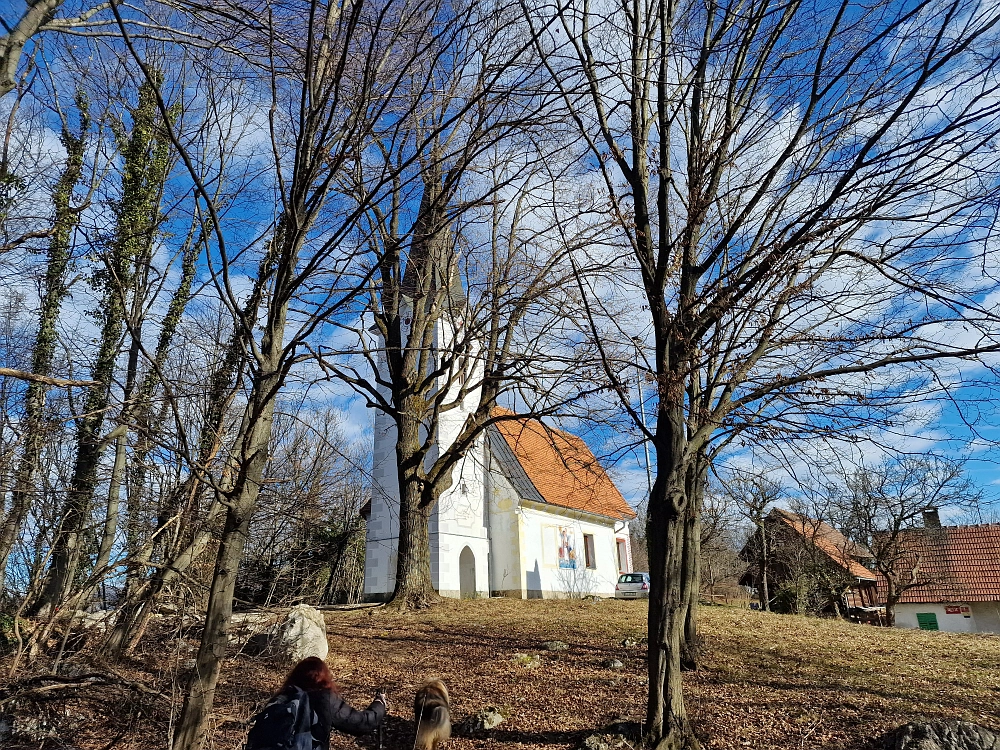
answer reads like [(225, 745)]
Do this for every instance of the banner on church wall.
[(567, 547)]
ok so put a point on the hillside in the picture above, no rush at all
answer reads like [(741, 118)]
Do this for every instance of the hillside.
[(767, 681)]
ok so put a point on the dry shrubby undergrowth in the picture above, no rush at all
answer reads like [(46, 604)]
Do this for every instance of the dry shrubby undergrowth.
[(767, 681)]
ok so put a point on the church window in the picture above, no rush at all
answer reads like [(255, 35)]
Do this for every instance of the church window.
[(588, 550)]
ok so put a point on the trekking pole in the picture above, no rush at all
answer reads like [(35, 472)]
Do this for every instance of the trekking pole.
[(378, 732), (420, 717)]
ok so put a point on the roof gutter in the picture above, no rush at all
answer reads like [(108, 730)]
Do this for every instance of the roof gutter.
[(563, 510)]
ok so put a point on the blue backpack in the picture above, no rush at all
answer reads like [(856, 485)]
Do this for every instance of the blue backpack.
[(284, 724)]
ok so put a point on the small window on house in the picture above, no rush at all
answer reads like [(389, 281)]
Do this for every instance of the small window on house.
[(588, 550), (927, 621)]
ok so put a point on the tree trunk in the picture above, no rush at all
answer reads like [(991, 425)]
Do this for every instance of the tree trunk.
[(193, 725), (667, 726), (192, 728), (414, 588), (66, 548), (146, 423), (59, 253), (763, 592), (121, 446), (114, 504), (891, 600), (250, 462), (697, 476), (34, 16), (691, 578)]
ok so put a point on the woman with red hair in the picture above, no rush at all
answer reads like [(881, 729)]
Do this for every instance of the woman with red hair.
[(332, 712)]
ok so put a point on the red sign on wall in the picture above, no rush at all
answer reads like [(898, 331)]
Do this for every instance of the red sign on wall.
[(953, 610)]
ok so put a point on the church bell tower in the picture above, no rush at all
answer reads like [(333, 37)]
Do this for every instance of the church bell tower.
[(459, 522)]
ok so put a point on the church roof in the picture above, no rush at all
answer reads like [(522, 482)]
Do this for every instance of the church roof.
[(551, 466)]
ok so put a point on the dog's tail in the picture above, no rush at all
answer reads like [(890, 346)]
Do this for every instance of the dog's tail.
[(435, 727)]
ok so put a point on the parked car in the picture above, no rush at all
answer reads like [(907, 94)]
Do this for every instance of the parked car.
[(632, 586)]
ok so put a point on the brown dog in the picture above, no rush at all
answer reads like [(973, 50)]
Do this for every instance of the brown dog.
[(432, 715)]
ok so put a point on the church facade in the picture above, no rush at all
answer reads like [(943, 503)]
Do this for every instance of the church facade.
[(531, 514)]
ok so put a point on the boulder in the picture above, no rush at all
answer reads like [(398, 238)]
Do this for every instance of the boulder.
[(941, 735), (555, 645), (302, 633), (614, 664)]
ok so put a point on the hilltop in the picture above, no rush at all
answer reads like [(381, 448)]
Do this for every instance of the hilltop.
[(767, 680)]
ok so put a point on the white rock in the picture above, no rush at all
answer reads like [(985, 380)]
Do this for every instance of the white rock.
[(303, 633)]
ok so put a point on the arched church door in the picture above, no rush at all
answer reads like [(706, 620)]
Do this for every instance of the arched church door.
[(467, 574)]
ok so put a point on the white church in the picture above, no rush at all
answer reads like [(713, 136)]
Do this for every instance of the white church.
[(531, 513)]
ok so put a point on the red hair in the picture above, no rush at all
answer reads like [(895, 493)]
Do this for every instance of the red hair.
[(310, 674)]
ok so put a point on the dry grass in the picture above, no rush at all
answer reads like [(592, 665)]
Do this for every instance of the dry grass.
[(767, 681)]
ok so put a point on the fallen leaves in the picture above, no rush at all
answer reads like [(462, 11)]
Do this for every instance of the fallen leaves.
[(766, 681)]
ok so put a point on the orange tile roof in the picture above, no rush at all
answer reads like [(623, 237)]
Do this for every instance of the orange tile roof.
[(562, 467), (956, 563), (831, 542)]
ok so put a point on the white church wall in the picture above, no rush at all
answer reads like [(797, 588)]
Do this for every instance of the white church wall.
[(483, 539), (553, 556), (458, 520), (461, 523), (382, 537), (506, 576)]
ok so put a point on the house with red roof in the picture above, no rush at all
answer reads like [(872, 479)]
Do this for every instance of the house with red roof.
[(531, 513), (957, 574), (801, 564)]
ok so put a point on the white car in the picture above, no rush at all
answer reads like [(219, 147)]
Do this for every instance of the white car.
[(632, 586)]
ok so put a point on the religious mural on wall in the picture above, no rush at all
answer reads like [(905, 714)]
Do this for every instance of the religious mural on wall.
[(567, 547)]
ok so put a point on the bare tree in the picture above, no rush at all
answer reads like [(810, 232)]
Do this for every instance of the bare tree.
[(128, 254), (453, 333), (882, 502), (753, 495), (763, 151), (336, 77), (721, 566), (818, 556), (304, 545), (38, 16)]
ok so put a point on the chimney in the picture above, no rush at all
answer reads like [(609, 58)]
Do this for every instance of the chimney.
[(931, 519)]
